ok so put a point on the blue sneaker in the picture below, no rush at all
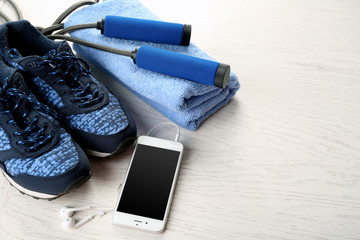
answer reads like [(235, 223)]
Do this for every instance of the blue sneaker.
[(62, 81), (37, 156)]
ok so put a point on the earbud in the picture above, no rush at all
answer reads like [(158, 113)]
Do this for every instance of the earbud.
[(70, 223), (69, 211)]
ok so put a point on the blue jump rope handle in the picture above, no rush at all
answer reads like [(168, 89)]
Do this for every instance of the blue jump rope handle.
[(146, 30), (183, 66)]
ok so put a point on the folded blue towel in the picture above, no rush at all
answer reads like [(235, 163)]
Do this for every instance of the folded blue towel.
[(184, 102)]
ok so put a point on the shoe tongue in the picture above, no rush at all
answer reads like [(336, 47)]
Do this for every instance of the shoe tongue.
[(17, 81), (25, 63), (63, 47)]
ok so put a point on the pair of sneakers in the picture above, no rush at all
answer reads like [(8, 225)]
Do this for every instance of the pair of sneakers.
[(50, 105)]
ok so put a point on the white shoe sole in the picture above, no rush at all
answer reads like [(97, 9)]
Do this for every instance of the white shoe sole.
[(37, 195), (27, 191)]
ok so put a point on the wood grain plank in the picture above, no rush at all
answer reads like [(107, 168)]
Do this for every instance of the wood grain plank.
[(281, 161)]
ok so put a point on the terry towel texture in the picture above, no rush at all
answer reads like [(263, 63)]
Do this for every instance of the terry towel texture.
[(184, 102)]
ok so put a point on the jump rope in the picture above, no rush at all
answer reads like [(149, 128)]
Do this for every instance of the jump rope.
[(146, 57)]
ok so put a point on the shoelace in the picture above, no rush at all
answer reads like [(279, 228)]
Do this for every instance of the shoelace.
[(33, 136), (72, 64), (58, 61)]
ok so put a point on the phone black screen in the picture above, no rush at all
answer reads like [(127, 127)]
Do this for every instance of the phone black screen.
[(147, 188)]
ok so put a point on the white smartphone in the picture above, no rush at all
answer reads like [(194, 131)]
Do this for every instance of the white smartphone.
[(145, 198)]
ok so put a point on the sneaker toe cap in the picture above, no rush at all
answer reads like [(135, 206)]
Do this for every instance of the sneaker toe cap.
[(54, 172)]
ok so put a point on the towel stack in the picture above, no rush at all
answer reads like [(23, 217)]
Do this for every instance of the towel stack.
[(184, 102)]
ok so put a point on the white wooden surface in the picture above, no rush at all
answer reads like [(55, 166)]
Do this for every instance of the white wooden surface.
[(281, 161)]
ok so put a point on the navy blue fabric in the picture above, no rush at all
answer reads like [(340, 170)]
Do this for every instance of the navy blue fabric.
[(51, 166), (59, 184), (21, 34), (59, 79), (58, 160), (23, 119), (4, 140)]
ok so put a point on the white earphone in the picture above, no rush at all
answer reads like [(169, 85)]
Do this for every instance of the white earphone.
[(70, 223), (69, 211)]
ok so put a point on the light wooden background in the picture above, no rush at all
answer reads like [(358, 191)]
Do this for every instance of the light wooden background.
[(281, 161)]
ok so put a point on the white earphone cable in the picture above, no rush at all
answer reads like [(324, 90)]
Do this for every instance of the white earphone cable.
[(177, 136)]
